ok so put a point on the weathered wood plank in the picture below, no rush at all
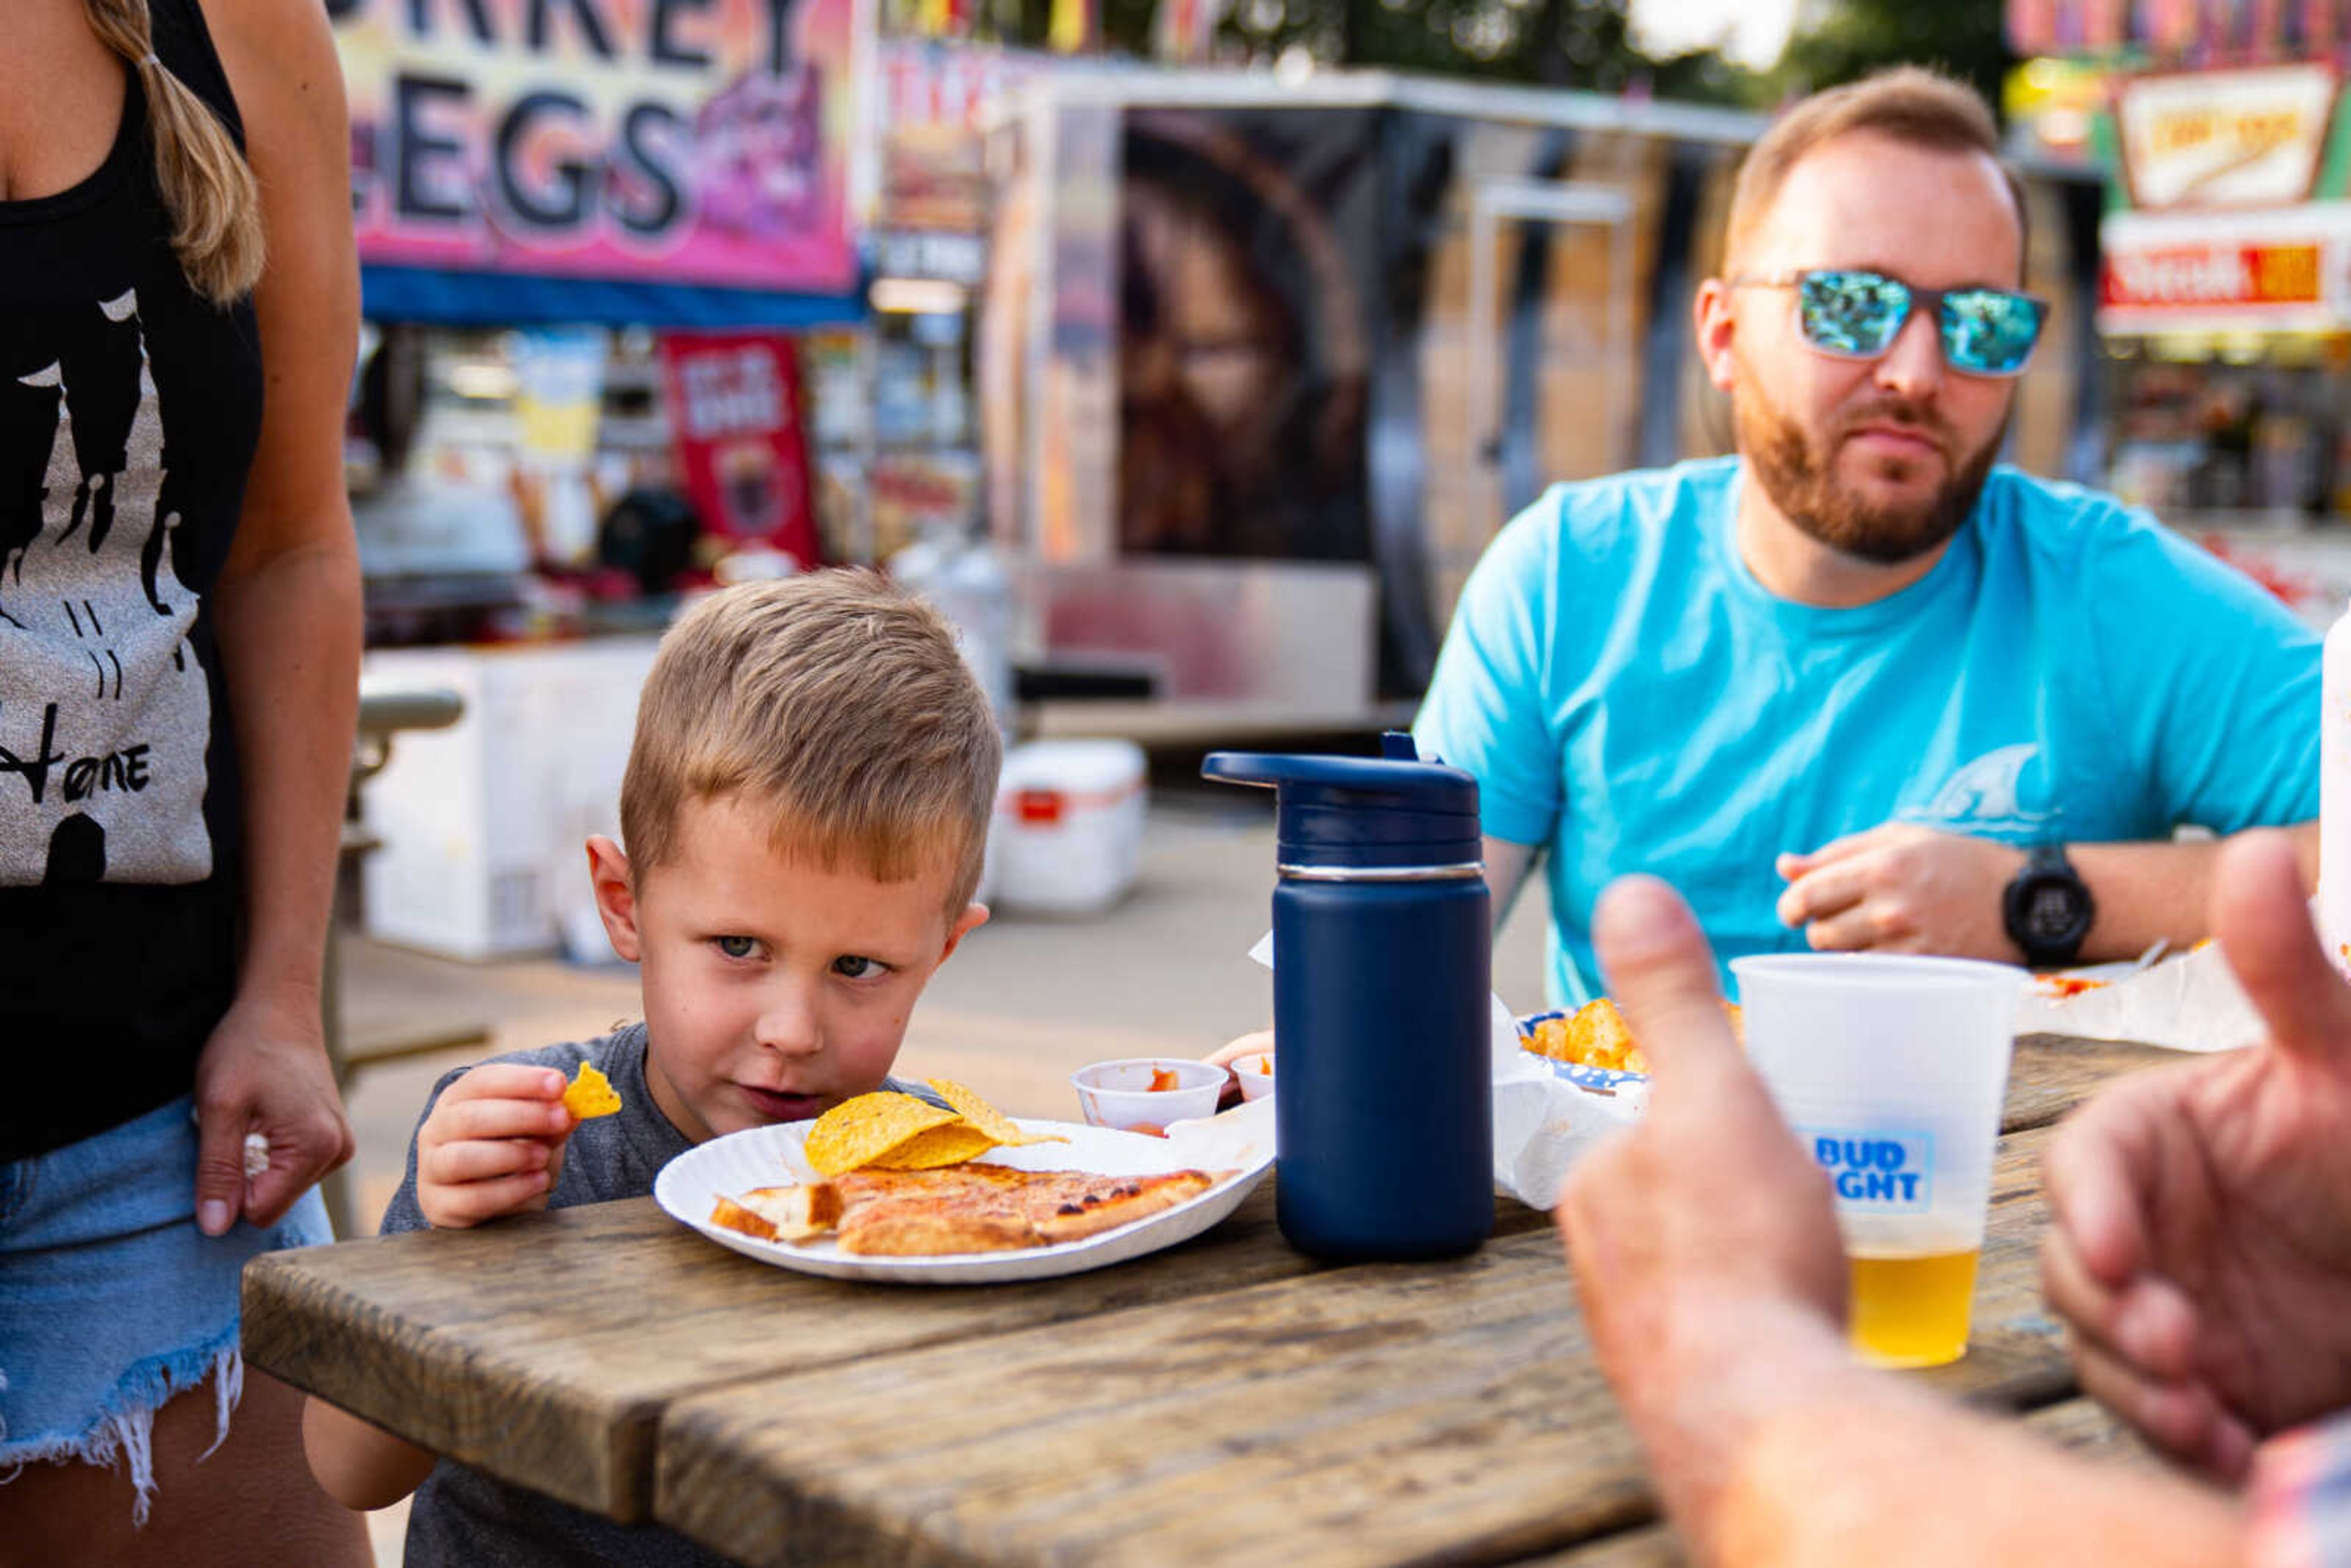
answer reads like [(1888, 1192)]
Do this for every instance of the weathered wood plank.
[(2079, 1424), (1384, 1415), (2051, 1074), (542, 1349)]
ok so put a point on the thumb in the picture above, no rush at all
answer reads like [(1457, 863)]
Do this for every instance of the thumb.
[(1661, 973), (220, 1170), (2263, 919)]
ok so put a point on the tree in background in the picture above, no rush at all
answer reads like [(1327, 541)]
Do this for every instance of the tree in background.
[(1857, 36), (1582, 43)]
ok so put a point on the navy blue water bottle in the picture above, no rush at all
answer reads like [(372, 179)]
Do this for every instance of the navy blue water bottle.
[(1381, 953)]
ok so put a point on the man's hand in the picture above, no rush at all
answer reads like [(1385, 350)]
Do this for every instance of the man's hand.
[(493, 1144), (1903, 888), (2202, 1238), (1704, 1243), (265, 1070)]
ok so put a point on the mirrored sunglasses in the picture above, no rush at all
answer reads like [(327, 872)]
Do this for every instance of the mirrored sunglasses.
[(1858, 316)]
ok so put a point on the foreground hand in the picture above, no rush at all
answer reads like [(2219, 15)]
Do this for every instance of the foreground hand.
[(493, 1144), (1903, 888), (2200, 1243), (265, 1070), (1703, 1241)]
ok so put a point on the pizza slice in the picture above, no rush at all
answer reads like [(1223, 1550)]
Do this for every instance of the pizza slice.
[(1074, 1211), (926, 1228), (971, 1208)]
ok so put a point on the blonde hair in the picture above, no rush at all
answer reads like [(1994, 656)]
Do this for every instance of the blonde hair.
[(839, 703), (206, 184), (1906, 103)]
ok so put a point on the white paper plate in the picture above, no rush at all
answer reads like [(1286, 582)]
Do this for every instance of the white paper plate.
[(772, 1156)]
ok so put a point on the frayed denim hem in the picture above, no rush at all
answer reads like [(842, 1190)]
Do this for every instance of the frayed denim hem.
[(125, 1427)]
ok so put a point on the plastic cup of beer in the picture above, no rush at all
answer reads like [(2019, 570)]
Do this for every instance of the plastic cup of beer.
[(1891, 1072)]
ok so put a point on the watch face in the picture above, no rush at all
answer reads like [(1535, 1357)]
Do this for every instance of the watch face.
[(2052, 912)]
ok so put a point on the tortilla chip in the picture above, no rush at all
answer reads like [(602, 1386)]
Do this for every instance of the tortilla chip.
[(860, 1131), (988, 1119), (1596, 1036), (947, 1145), (589, 1095)]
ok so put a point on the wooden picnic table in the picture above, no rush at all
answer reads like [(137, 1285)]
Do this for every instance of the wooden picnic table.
[(1227, 1401)]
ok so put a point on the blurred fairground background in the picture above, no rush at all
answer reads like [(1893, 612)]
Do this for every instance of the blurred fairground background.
[(1187, 352)]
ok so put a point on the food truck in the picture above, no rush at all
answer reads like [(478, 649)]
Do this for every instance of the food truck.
[(2225, 307), (1264, 363)]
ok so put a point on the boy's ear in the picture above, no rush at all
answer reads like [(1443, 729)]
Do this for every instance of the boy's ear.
[(973, 917), (616, 896)]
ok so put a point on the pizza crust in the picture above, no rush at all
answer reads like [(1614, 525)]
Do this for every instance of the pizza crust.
[(781, 1213)]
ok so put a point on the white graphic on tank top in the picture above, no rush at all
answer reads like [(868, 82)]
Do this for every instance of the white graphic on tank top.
[(104, 712)]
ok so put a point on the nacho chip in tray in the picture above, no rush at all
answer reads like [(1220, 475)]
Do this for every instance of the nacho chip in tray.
[(948, 1145), (1595, 1035), (859, 1130), (987, 1118)]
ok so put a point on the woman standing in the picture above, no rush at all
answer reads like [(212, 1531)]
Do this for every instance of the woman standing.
[(179, 643)]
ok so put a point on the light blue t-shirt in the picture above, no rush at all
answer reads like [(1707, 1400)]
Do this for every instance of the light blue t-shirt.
[(1632, 699)]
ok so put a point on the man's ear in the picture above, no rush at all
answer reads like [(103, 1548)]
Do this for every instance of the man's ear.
[(616, 896), (1711, 317), (973, 917)]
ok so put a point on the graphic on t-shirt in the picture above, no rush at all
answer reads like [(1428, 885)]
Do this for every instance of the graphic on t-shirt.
[(1985, 796), (104, 711)]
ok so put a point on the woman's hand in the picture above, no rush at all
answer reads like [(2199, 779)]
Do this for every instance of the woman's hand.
[(265, 1070)]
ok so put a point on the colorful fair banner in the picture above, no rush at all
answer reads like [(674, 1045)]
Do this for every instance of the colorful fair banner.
[(673, 141), (2218, 272), (741, 450), (2251, 137)]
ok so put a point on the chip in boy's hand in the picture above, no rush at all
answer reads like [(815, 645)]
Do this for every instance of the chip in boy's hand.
[(589, 1094)]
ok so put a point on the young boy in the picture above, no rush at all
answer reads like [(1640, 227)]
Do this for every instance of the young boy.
[(806, 801)]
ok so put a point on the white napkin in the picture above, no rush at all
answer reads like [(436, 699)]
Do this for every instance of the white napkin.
[(2189, 1001), (1543, 1123)]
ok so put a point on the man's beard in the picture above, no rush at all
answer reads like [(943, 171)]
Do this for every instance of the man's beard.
[(1800, 479)]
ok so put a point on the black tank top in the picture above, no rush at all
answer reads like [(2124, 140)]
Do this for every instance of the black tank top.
[(129, 412)]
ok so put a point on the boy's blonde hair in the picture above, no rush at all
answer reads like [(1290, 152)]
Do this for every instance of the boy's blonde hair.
[(839, 704), (207, 186), (1906, 103)]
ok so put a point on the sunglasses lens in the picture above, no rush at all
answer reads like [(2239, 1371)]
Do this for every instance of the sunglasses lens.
[(1989, 331), (1855, 313)]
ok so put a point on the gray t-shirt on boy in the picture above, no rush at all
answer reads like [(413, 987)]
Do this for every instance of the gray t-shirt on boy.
[(461, 1518)]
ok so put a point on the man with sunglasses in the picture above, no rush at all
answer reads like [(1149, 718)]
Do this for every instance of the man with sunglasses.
[(1858, 686)]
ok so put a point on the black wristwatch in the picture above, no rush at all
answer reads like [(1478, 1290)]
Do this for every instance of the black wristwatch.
[(2048, 907)]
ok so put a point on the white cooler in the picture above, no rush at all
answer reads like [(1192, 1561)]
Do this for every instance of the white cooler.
[(482, 823), (1069, 826)]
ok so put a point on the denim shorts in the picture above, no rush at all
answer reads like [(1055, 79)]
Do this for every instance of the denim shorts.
[(111, 1300)]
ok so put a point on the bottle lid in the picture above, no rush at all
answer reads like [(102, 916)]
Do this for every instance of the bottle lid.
[(1394, 810)]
